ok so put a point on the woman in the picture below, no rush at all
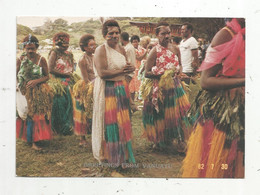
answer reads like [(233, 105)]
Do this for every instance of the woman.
[(141, 72), (165, 102), (82, 90), (216, 146), (62, 80), (32, 73), (144, 43), (111, 126), (140, 55)]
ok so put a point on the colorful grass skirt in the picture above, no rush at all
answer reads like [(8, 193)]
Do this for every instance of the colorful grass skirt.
[(170, 122), (82, 107), (117, 145), (62, 108), (216, 146), (37, 125)]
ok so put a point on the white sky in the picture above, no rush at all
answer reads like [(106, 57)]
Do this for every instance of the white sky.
[(33, 21)]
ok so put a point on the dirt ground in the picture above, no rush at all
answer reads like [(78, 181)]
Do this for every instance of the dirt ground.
[(63, 157)]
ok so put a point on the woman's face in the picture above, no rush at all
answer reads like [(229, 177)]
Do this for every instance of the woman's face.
[(64, 46), (31, 50), (91, 46), (112, 36), (164, 36), (135, 43)]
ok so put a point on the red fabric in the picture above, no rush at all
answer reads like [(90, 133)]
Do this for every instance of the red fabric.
[(21, 129), (165, 60), (134, 85), (41, 130), (126, 135), (231, 54), (80, 128)]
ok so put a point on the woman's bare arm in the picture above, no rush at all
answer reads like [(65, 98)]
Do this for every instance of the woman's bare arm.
[(83, 68), (209, 80), (151, 61)]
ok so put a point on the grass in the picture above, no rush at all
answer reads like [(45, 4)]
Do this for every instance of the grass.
[(63, 157)]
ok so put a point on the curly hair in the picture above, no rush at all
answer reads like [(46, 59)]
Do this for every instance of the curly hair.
[(109, 23), (60, 38), (30, 39), (125, 36), (84, 40), (158, 26), (135, 37)]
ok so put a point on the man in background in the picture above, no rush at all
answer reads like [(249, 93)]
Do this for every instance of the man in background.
[(131, 59), (189, 52)]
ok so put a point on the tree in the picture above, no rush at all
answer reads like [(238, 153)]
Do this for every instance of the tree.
[(48, 25), (60, 24), (205, 27)]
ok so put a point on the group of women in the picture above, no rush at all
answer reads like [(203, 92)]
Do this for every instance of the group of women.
[(214, 130), (50, 97)]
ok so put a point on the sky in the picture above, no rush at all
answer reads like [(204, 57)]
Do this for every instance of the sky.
[(39, 20)]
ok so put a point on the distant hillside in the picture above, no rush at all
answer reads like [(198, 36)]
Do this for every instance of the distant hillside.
[(22, 31), (203, 27)]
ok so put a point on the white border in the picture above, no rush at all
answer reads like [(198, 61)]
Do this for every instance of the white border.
[(9, 184)]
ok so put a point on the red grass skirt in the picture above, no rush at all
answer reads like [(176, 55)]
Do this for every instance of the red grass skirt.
[(33, 130)]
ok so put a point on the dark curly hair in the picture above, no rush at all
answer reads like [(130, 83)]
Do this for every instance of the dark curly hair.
[(30, 39), (60, 38), (84, 40), (135, 37), (158, 26), (109, 23), (125, 36)]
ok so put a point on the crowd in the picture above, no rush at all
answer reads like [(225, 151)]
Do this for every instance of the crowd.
[(125, 72)]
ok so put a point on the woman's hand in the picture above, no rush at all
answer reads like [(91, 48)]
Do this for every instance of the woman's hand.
[(31, 84), (128, 68)]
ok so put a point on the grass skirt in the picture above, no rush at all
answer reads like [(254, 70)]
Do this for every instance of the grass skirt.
[(37, 126), (171, 121), (216, 146), (62, 108), (82, 107), (118, 131)]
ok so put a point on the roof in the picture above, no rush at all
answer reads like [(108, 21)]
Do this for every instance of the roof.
[(149, 27)]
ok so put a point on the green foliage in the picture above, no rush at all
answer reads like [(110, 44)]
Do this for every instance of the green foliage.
[(23, 30), (203, 27)]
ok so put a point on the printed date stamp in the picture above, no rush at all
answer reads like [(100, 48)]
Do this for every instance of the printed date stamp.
[(223, 166)]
